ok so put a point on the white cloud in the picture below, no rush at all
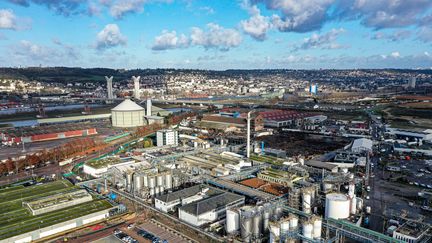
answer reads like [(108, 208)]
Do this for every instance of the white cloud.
[(395, 54), (215, 37), (109, 37), (395, 36), (170, 40), (7, 19), (257, 25), (122, 7), (323, 41), (425, 34)]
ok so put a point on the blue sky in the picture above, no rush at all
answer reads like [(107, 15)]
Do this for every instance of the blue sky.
[(217, 34)]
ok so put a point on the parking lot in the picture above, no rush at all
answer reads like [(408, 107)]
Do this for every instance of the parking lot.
[(161, 232)]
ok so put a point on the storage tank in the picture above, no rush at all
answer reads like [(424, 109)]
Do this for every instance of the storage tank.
[(129, 185), (353, 205), (176, 182), (245, 227), (137, 182), (168, 181), (157, 190), (293, 222), (145, 180), (307, 229), (232, 221), (266, 218), (359, 204), (317, 228), (257, 224), (337, 206), (307, 201), (152, 192), (284, 226), (152, 182), (161, 189), (278, 212), (160, 180), (327, 187), (274, 233), (351, 190)]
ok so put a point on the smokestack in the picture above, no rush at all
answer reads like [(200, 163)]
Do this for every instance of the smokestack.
[(149, 107), (109, 87), (248, 134), (136, 86)]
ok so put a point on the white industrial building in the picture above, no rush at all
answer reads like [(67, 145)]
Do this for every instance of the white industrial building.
[(166, 137), (362, 145), (127, 114)]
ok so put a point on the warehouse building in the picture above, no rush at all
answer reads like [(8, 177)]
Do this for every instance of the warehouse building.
[(362, 145)]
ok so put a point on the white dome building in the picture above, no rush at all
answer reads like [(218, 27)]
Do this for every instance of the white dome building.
[(127, 114)]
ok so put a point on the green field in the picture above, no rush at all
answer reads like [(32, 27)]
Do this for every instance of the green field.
[(16, 219)]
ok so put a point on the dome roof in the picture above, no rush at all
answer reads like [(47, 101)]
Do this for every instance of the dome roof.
[(128, 105)]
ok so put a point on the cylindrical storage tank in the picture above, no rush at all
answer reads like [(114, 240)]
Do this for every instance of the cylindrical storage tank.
[(145, 181), (152, 191), (161, 189), (168, 181), (152, 182), (176, 182), (138, 182), (368, 209), (359, 204), (157, 190), (293, 222), (284, 226), (266, 219), (351, 190), (274, 233), (127, 114), (278, 212), (337, 206), (317, 228), (353, 205), (246, 228), (307, 201), (129, 185), (160, 180), (307, 229), (257, 225), (232, 221)]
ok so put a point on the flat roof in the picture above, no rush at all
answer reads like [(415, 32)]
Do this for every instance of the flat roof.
[(211, 203), (319, 164), (15, 219), (188, 192)]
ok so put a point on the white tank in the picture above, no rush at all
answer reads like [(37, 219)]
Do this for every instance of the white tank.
[(257, 224), (161, 189), (138, 182), (278, 212), (152, 182), (246, 228), (307, 201), (157, 190), (145, 181), (274, 233), (232, 221), (337, 206), (293, 223), (351, 190), (152, 191), (160, 180), (307, 229), (284, 226), (359, 204), (327, 187), (176, 182), (168, 181), (368, 209), (353, 205), (266, 219), (129, 185), (317, 227)]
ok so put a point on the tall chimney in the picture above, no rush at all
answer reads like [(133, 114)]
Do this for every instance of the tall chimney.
[(149, 107), (248, 134), (109, 87), (136, 87)]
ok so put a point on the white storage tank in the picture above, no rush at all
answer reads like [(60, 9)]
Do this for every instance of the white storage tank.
[(161, 189), (307, 229), (293, 223), (160, 180), (351, 190), (274, 233), (168, 181), (245, 228), (353, 205), (152, 182), (307, 201), (157, 191), (176, 182), (284, 226), (145, 180), (129, 184), (232, 221), (359, 204), (327, 187), (266, 219), (152, 191), (127, 114), (317, 228), (337, 206), (138, 182)]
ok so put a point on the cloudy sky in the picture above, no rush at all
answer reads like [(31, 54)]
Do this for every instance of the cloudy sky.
[(217, 34)]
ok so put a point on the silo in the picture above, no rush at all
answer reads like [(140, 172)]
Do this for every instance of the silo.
[(293, 223), (337, 206), (138, 182), (245, 227), (307, 201), (351, 190), (152, 192), (232, 221), (160, 180), (353, 207), (152, 182), (317, 228), (359, 204), (266, 218), (327, 187), (274, 233), (307, 229), (157, 190), (284, 226), (161, 189), (168, 181), (257, 224), (278, 212), (129, 185), (145, 180), (176, 182)]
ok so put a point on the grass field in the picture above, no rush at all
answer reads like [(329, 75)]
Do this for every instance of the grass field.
[(16, 219)]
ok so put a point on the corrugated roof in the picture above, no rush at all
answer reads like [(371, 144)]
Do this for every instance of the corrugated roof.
[(188, 192), (224, 119), (128, 105), (212, 203)]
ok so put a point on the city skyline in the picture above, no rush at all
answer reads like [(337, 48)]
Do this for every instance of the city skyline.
[(217, 35)]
